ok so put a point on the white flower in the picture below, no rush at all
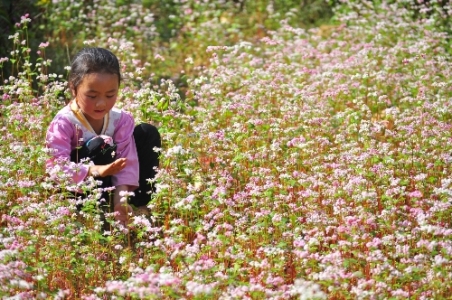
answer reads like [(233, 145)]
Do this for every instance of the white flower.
[(176, 150), (307, 290)]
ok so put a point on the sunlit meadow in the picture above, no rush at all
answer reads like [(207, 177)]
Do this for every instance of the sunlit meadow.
[(308, 164)]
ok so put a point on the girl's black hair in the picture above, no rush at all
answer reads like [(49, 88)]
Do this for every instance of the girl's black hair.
[(92, 60)]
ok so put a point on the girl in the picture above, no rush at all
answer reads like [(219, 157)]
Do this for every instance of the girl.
[(122, 154)]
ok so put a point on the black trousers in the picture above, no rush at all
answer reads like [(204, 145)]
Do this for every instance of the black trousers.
[(146, 138)]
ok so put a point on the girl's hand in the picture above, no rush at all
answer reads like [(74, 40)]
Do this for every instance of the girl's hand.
[(107, 170)]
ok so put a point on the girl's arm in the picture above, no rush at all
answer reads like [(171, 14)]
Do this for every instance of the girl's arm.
[(59, 140), (126, 148), (127, 179)]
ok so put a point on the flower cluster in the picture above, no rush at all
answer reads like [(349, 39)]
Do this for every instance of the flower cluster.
[(310, 164)]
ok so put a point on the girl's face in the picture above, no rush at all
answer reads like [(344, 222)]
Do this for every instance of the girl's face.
[(96, 95)]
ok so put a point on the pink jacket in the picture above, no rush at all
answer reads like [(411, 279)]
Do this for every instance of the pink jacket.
[(70, 129)]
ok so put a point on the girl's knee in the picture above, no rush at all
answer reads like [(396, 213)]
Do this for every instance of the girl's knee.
[(146, 130)]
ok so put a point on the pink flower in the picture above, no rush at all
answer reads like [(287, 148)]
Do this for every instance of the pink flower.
[(415, 194), (43, 45)]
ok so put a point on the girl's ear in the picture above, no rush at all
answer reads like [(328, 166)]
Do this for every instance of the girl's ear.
[(73, 90)]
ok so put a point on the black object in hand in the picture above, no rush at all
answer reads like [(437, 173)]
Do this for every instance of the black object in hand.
[(101, 150)]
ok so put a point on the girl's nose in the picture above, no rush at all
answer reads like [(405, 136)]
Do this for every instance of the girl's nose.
[(100, 103)]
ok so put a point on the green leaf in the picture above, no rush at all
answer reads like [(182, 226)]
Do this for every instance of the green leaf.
[(14, 208)]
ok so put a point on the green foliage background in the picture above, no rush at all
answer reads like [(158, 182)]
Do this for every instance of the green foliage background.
[(177, 35)]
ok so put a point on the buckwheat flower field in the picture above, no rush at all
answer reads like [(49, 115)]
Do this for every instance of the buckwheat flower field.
[(306, 164)]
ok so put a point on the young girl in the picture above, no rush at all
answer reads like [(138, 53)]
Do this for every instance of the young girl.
[(122, 154)]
